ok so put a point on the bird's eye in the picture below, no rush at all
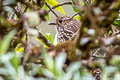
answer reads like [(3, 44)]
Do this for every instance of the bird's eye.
[(60, 21)]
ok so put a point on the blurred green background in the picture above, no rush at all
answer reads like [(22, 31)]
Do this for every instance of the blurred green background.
[(45, 28)]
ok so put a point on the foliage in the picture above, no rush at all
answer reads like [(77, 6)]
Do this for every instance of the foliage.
[(26, 54), (54, 3)]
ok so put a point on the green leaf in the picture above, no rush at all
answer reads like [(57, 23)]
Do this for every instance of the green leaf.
[(88, 76), (16, 60), (59, 62), (49, 62), (19, 48), (54, 3), (76, 8), (74, 67), (77, 17), (48, 73), (5, 43), (117, 76), (3, 71), (8, 9), (116, 23), (6, 2), (107, 71), (47, 16), (49, 37), (116, 61), (76, 76)]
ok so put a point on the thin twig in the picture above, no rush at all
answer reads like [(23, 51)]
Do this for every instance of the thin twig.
[(48, 43), (78, 13), (61, 4), (75, 15), (51, 10), (42, 37)]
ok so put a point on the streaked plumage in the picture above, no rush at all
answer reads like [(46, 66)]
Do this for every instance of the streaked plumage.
[(66, 28)]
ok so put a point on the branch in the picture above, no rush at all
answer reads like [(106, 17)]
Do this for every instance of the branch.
[(61, 4), (51, 10), (78, 13), (42, 37)]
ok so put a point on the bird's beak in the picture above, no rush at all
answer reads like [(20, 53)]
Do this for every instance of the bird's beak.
[(51, 23)]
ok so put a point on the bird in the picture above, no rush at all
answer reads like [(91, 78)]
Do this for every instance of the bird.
[(66, 27)]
